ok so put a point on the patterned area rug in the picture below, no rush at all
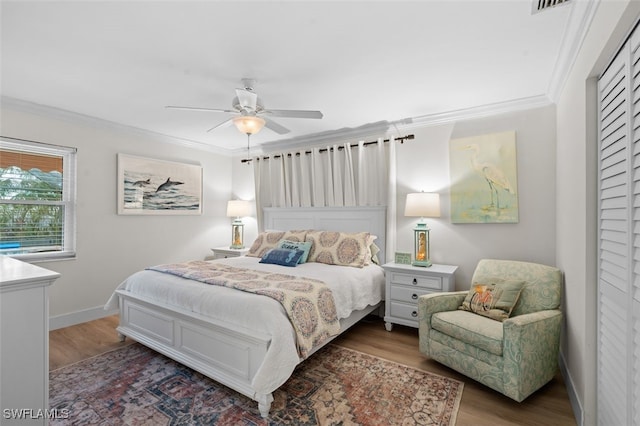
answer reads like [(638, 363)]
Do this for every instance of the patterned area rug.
[(336, 386)]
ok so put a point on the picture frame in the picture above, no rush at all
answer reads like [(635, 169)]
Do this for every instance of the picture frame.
[(484, 178), (402, 258), (157, 187)]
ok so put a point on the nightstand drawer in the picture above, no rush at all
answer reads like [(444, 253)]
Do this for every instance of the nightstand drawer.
[(222, 255), (434, 283), (406, 283), (407, 294), (403, 310), (226, 252)]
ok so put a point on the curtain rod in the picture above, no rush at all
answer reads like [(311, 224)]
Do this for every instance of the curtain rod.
[(401, 139)]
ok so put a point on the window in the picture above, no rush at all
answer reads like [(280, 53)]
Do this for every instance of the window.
[(37, 200)]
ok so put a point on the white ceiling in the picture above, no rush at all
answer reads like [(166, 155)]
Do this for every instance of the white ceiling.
[(358, 62)]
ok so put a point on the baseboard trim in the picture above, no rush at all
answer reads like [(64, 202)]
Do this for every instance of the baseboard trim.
[(66, 320), (574, 400)]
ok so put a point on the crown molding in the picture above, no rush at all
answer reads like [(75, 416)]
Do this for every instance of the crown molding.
[(331, 136), (580, 18), (384, 128), (77, 118), (473, 113), (376, 129)]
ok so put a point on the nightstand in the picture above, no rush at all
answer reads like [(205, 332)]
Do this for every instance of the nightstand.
[(225, 252), (405, 283)]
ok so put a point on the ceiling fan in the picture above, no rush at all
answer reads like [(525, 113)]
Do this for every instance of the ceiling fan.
[(251, 115)]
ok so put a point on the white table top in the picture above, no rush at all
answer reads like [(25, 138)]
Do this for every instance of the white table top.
[(15, 272)]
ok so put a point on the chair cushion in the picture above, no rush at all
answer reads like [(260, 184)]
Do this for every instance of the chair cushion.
[(494, 298), (472, 329), (465, 358)]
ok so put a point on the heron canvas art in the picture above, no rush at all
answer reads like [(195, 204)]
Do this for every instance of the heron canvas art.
[(484, 179)]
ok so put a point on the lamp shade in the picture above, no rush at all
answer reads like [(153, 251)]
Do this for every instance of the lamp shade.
[(249, 124), (238, 208), (422, 204)]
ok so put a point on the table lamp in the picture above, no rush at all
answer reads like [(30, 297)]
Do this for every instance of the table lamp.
[(238, 209), (422, 204)]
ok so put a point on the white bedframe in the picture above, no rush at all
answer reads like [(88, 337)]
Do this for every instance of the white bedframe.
[(227, 354)]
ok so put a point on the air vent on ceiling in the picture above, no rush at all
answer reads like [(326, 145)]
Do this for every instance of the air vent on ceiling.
[(540, 5)]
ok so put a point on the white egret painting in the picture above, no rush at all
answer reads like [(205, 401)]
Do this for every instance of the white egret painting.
[(484, 179), (147, 186)]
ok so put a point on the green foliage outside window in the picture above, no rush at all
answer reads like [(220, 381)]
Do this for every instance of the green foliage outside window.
[(31, 212)]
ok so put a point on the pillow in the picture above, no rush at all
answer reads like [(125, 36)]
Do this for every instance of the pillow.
[(284, 257), (305, 246), (270, 239), (494, 299), (368, 257), (374, 254), (338, 248)]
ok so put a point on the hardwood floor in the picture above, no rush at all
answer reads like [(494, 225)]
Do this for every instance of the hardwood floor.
[(480, 405)]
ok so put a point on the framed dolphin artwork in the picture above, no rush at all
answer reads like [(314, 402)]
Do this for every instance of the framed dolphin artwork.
[(158, 187)]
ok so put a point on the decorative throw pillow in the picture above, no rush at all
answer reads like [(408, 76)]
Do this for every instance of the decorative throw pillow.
[(368, 257), (284, 257), (495, 298), (374, 254), (338, 248), (268, 240), (305, 246)]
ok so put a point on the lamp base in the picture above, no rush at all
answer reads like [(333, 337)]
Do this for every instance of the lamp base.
[(237, 234), (422, 263)]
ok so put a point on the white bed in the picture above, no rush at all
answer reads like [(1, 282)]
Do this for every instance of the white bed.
[(207, 327)]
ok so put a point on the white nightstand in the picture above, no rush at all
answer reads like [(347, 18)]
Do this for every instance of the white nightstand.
[(405, 283), (225, 252)]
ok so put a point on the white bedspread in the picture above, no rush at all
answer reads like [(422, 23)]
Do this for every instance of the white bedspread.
[(353, 289)]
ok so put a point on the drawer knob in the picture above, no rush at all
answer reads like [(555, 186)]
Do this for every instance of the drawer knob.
[(415, 281), (414, 296), (414, 314)]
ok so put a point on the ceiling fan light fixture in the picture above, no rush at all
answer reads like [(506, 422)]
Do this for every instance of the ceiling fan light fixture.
[(249, 124)]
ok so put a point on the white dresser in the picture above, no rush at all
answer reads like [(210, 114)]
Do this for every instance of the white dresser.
[(24, 342), (405, 283)]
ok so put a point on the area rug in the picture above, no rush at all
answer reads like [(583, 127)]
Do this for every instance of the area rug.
[(134, 385)]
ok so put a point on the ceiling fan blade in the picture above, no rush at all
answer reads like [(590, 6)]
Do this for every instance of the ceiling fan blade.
[(223, 124), (200, 109), (292, 113), (281, 130), (247, 99)]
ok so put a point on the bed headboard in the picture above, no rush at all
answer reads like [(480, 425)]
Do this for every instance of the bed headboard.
[(343, 219)]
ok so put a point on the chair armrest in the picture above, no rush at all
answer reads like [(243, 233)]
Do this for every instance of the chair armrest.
[(439, 302), (430, 304), (530, 349)]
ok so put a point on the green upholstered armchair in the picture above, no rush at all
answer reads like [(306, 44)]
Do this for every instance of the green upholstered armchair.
[(515, 357)]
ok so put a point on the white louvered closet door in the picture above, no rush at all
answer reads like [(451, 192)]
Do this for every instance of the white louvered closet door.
[(619, 239)]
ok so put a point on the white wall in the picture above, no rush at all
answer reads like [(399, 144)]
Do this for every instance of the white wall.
[(110, 246), (576, 199), (423, 164)]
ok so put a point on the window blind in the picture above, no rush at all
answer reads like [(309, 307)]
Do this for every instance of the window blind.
[(37, 199)]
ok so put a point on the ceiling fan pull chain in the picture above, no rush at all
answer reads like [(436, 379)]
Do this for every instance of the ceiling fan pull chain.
[(248, 148)]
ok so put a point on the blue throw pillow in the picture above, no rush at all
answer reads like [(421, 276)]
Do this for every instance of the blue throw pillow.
[(305, 246), (284, 257)]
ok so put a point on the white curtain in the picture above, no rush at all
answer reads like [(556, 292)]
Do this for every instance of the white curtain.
[(338, 175)]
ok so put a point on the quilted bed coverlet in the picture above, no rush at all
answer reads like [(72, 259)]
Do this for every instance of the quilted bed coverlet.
[(308, 302), (352, 288)]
